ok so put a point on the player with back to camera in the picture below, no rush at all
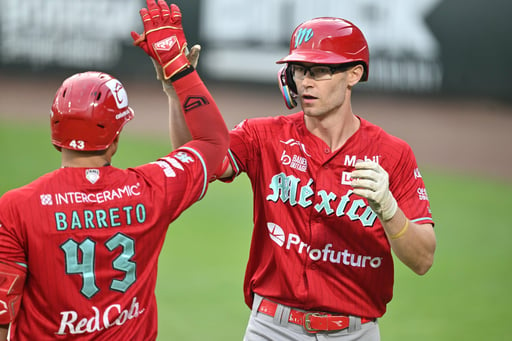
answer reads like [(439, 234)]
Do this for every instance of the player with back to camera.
[(333, 195), (79, 246)]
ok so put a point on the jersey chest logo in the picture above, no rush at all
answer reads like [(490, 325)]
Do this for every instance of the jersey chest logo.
[(297, 162), (92, 175), (293, 142)]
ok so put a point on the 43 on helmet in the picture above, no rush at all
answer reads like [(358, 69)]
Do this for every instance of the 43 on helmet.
[(88, 112), (324, 40)]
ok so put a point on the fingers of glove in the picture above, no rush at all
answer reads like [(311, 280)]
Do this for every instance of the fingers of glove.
[(144, 15), (153, 9), (137, 39), (175, 14), (365, 193), (368, 174), (193, 55), (367, 184), (164, 9), (370, 170), (369, 165), (379, 174), (140, 41)]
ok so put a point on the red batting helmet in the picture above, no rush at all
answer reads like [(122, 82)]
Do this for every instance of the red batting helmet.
[(88, 112), (328, 40)]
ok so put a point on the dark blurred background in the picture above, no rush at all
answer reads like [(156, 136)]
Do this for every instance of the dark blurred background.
[(421, 47)]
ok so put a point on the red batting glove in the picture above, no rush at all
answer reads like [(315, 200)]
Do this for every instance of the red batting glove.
[(163, 38)]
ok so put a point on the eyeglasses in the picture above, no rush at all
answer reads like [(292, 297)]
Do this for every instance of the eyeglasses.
[(317, 72)]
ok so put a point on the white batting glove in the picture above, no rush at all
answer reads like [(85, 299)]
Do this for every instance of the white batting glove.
[(371, 182)]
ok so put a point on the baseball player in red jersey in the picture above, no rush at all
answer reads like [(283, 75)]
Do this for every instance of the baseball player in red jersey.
[(79, 246), (333, 195)]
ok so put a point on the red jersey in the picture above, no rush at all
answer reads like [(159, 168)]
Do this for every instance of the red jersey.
[(315, 244), (89, 240)]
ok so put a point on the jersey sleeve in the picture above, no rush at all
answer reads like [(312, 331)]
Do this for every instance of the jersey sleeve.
[(241, 149), (408, 188), (178, 179), (11, 238)]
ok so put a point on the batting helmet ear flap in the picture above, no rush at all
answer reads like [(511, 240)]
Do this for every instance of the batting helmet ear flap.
[(287, 86)]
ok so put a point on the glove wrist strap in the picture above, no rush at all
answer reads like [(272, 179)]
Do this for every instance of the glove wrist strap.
[(179, 63), (182, 73), (389, 208)]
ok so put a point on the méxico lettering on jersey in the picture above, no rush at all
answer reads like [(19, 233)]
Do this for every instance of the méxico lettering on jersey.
[(289, 189)]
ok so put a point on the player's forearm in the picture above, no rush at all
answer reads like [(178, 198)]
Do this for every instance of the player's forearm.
[(4, 329), (416, 247), (178, 129), (203, 119)]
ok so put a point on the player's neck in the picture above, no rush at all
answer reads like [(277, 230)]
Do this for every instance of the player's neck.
[(89, 159), (334, 130), (84, 159)]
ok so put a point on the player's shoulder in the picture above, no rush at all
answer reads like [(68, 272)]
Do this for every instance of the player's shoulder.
[(374, 132), (22, 194), (275, 123), (392, 149)]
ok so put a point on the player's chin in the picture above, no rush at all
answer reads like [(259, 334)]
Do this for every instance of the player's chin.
[(311, 111), (312, 107), (308, 106)]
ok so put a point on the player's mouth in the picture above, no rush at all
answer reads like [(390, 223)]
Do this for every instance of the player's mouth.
[(308, 99)]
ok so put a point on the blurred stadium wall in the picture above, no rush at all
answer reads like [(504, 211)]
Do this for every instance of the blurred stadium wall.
[(425, 47)]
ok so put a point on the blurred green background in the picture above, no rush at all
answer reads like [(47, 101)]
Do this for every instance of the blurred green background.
[(465, 296)]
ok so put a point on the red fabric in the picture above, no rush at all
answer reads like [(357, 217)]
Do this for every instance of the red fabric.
[(316, 245), (12, 281), (61, 222), (205, 123)]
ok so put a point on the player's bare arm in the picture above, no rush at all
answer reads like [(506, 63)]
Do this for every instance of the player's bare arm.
[(3, 332), (414, 244)]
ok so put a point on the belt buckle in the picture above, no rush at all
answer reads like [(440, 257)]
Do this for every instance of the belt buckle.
[(307, 322)]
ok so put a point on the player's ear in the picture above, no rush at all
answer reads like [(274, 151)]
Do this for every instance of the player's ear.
[(354, 74)]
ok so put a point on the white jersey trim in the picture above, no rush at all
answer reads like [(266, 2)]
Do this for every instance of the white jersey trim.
[(234, 163), (203, 164)]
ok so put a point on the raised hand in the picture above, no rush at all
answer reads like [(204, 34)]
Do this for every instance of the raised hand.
[(163, 38)]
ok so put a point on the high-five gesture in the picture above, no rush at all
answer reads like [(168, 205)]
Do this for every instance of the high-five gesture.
[(163, 38)]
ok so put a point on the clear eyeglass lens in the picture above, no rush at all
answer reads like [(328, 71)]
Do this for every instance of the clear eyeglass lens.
[(318, 72)]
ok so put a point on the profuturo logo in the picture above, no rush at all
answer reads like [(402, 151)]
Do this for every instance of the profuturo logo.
[(326, 254), (276, 233)]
